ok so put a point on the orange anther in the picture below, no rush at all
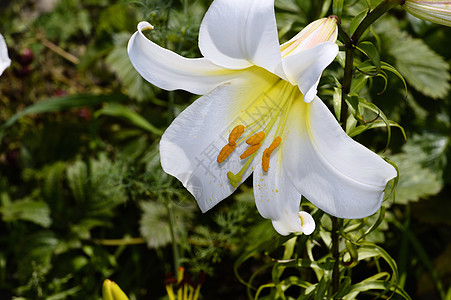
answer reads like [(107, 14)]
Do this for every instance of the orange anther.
[(235, 134), (268, 151), (274, 144), (256, 138), (250, 150), (225, 152), (265, 162)]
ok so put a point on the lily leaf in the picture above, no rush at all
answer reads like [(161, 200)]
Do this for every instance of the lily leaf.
[(27, 209), (370, 50), (118, 110), (422, 67), (62, 103), (415, 181)]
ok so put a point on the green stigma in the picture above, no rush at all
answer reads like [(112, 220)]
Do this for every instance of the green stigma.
[(234, 179)]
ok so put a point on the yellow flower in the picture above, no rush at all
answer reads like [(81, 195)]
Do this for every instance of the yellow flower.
[(111, 291)]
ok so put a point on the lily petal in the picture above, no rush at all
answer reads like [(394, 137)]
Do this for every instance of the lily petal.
[(4, 58), (305, 68), (236, 34), (307, 222), (191, 144), (337, 174), (275, 196), (170, 71)]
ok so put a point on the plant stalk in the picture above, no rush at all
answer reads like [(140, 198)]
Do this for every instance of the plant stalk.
[(336, 256), (175, 250), (350, 44)]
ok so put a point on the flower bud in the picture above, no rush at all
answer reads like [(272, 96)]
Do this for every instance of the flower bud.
[(317, 32), (25, 57), (111, 291), (436, 11)]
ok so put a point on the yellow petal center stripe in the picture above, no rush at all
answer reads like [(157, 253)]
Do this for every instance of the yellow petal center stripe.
[(276, 101)]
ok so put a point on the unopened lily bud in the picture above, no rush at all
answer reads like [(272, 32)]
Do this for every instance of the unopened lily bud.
[(436, 11), (317, 32), (111, 291)]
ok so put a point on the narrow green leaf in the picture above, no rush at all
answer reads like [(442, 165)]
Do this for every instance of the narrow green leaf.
[(368, 285), (353, 253), (388, 67), (321, 288), (121, 111), (357, 20), (380, 113), (384, 255), (337, 102), (337, 8), (63, 103), (267, 245), (370, 50), (375, 224)]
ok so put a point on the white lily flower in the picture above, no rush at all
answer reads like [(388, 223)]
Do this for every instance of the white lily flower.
[(4, 58), (436, 11), (259, 113)]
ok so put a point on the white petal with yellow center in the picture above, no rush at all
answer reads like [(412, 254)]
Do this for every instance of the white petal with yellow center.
[(190, 146)]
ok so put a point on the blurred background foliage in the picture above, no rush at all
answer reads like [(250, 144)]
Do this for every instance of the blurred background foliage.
[(83, 196)]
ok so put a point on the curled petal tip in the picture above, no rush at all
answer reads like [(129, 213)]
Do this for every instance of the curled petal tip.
[(143, 25), (307, 222)]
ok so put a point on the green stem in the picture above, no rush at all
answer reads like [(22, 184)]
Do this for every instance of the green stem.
[(175, 250), (336, 256), (375, 14), (350, 44)]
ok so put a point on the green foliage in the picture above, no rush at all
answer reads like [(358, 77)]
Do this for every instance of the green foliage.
[(424, 69), (37, 212), (135, 86), (415, 181)]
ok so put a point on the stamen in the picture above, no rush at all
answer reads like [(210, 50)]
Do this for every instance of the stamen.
[(268, 151), (274, 144), (251, 150), (225, 152), (228, 149), (256, 138), (236, 133)]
